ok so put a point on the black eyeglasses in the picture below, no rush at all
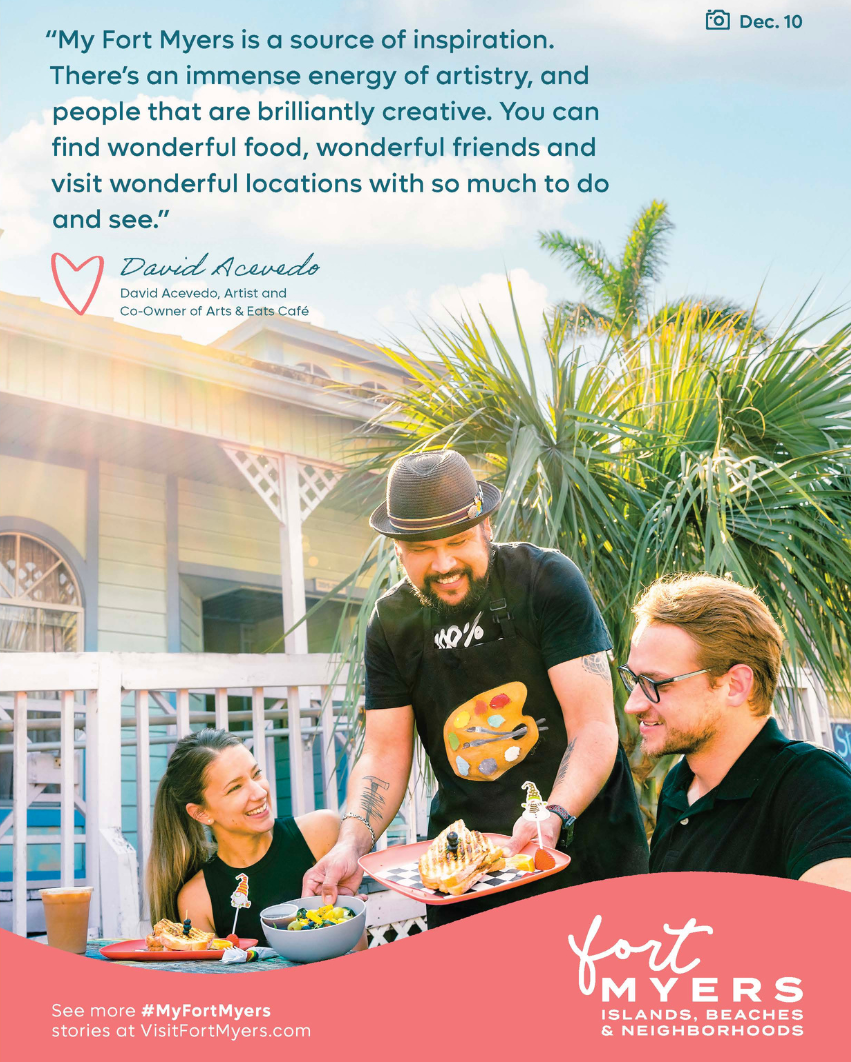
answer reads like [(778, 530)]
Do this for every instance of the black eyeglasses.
[(649, 686)]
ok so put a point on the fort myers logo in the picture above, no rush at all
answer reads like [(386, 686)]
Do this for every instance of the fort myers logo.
[(54, 258)]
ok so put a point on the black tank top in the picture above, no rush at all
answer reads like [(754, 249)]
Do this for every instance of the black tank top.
[(276, 878)]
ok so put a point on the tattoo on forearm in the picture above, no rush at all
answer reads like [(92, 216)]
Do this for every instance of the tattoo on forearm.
[(565, 760), (596, 664), (371, 800)]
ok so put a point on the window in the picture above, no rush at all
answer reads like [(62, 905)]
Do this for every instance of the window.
[(40, 606), (313, 369)]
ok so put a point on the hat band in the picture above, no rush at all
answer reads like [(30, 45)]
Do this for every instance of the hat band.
[(466, 512)]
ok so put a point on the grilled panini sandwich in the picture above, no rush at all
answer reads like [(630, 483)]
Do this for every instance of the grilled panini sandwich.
[(454, 872), (170, 935)]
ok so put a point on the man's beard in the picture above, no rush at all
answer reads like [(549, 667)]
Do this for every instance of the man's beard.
[(477, 590), (684, 742)]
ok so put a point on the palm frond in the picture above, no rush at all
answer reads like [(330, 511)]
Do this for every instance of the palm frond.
[(713, 313), (578, 315), (643, 257), (587, 263)]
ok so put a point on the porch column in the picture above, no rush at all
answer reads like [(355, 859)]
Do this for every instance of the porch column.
[(19, 811), (117, 883), (295, 606), (292, 558), (292, 488)]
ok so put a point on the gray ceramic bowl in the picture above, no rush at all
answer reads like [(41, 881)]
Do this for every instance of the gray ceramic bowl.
[(315, 944)]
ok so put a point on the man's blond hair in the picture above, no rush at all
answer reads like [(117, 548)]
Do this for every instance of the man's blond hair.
[(729, 623)]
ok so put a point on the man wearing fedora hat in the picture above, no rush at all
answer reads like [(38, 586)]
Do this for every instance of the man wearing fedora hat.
[(497, 656)]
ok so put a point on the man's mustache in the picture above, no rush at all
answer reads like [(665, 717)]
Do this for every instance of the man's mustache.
[(454, 574)]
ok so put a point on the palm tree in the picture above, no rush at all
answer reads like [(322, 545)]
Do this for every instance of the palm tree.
[(618, 294), (696, 448)]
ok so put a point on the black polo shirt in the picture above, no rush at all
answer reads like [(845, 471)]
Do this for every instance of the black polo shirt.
[(782, 808)]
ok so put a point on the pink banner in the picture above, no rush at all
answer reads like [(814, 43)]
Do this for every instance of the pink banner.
[(635, 967)]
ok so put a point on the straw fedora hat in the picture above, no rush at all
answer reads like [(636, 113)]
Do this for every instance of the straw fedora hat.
[(432, 495)]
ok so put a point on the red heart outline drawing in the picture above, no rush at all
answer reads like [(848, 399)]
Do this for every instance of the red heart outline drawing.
[(95, 258)]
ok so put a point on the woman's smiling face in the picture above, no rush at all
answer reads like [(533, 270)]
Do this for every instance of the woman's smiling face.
[(235, 794)]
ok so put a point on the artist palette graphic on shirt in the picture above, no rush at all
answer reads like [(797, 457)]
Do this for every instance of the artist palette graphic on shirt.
[(488, 735)]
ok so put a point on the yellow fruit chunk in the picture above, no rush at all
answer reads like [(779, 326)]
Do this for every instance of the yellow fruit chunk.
[(521, 862)]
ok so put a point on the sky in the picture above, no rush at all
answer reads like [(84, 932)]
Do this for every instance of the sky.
[(744, 133)]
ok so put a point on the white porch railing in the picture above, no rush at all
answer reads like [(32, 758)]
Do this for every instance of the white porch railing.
[(104, 703)]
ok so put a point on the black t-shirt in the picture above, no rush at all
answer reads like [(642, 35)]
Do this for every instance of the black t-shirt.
[(782, 808), (273, 879), (550, 604)]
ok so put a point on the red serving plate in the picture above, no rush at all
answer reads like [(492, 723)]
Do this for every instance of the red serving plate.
[(382, 865), (137, 950)]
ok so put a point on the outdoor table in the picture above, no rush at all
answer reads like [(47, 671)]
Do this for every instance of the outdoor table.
[(201, 966)]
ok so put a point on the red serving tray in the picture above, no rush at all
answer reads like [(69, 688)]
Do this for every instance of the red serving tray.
[(378, 863), (137, 950)]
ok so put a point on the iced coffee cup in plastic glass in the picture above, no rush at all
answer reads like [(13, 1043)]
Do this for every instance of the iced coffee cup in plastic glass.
[(66, 915)]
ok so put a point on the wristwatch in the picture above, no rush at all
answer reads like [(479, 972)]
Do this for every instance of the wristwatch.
[(567, 821)]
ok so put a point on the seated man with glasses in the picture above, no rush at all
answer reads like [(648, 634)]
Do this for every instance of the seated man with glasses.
[(701, 675)]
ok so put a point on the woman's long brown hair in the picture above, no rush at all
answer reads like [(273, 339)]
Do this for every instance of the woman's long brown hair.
[(179, 845)]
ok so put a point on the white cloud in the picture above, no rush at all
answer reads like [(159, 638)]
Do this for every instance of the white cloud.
[(23, 234), (487, 296), (396, 316)]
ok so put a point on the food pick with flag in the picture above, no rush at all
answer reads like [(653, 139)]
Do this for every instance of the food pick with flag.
[(239, 898), (535, 810)]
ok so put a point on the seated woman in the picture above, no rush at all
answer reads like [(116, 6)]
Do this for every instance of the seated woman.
[(213, 781)]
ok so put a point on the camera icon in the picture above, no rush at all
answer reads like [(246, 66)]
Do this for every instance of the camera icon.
[(718, 19)]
